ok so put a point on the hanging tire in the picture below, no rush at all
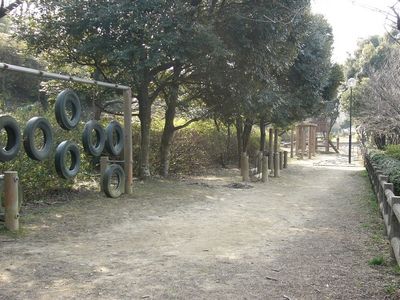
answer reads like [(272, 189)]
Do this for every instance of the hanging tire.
[(63, 169), (114, 138), (93, 146), (113, 181), (65, 99), (34, 124), (13, 144)]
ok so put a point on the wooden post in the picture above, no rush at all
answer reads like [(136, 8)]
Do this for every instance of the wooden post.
[(298, 140), (285, 159), (103, 167), (245, 168), (315, 142), (327, 143), (276, 164), (264, 177), (270, 149), (280, 160), (310, 142), (337, 143), (276, 140), (303, 142), (291, 143), (259, 161), (128, 159), (11, 200)]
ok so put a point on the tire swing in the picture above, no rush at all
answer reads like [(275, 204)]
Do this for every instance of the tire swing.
[(93, 145), (68, 100), (32, 150), (64, 169), (114, 138), (113, 181), (11, 148)]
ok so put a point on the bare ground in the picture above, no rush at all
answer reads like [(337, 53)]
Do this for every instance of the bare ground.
[(306, 235)]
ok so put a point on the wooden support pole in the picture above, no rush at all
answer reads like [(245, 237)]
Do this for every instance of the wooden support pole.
[(264, 177), (298, 139), (337, 143), (285, 159), (315, 142), (11, 200), (259, 161), (326, 142), (245, 167), (276, 136), (270, 148), (291, 143), (276, 165), (303, 142), (128, 153), (310, 142), (103, 167), (280, 160)]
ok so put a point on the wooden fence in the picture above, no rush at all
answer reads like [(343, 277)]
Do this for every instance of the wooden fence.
[(389, 204)]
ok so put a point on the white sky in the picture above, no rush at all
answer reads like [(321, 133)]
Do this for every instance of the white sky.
[(351, 21)]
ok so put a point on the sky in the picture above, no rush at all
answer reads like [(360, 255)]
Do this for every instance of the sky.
[(352, 20)]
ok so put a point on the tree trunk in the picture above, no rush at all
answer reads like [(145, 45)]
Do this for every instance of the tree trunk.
[(145, 125), (248, 125), (262, 135), (239, 136), (169, 127), (228, 142)]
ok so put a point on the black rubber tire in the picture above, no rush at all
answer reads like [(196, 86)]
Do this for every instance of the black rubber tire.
[(94, 148), (11, 149), (114, 146), (63, 170), (29, 138), (107, 185), (65, 98)]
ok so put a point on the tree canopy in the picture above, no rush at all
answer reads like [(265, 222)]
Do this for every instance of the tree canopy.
[(245, 60)]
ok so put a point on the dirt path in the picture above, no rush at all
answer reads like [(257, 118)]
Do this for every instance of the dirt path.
[(302, 236)]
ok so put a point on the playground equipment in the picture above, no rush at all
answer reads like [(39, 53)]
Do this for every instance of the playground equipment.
[(114, 139), (305, 140)]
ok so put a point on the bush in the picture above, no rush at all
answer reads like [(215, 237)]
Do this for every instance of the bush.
[(195, 148), (37, 178), (393, 151), (390, 166)]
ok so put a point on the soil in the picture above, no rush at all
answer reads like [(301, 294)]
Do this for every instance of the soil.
[(306, 235)]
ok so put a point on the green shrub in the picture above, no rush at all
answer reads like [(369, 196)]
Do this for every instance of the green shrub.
[(37, 178), (389, 166), (393, 151)]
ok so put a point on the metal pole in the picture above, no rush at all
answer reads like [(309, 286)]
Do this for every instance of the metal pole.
[(60, 77), (351, 100), (128, 159)]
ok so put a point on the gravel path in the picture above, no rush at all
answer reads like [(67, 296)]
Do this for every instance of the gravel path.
[(302, 236)]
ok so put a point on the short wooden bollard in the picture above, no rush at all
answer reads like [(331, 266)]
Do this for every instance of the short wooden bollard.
[(280, 160), (260, 161), (285, 159), (11, 200), (264, 177), (103, 167), (270, 160), (337, 143), (276, 165), (245, 167)]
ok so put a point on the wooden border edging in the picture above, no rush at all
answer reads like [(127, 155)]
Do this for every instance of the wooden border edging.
[(388, 202)]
